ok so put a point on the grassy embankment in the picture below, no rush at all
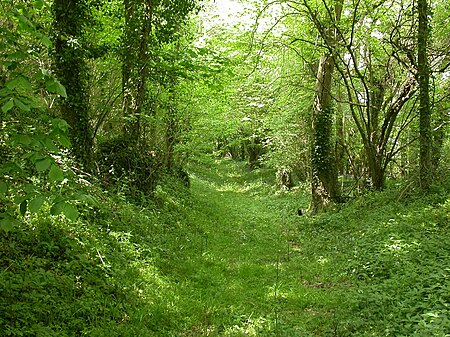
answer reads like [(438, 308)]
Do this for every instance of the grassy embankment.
[(231, 258)]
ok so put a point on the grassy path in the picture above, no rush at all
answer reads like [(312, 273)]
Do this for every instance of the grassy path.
[(245, 273), (247, 265), (230, 257)]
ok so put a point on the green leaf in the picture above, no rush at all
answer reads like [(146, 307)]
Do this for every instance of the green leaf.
[(87, 198), (42, 73), (29, 188), (54, 86), (21, 139), (18, 199), (21, 105), (7, 224), (18, 55), (23, 207), (50, 145), (12, 84), (19, 82), (38, 4), (36, 204), (55, 174), (57, 208), (36, 144), (203, 51), (46, 41), (64, 140), (60, 124), (39, 75), (43, 165), (3, 188), (8, 106), (58, 198), (25, 21), (70, 211), (11, 168)]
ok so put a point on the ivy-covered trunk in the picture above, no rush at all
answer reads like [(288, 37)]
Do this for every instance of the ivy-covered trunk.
[(71, 69), (135, 67), (324, 186)]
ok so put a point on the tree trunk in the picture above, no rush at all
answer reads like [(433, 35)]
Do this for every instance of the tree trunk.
[(70, 68), (135, 68), (439, 135), (128, 61), (375, 165), (324, 174), (170, 136), (425, 133), (340, 136), (324, 184), (375, 148)]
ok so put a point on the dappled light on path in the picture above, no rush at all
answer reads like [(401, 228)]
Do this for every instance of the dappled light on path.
[(252, 279)]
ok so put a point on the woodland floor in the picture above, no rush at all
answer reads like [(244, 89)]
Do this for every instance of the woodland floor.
[(252, 274), (230, 257)]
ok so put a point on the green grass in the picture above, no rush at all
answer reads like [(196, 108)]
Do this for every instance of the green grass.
[(230, 257), (263, 283)]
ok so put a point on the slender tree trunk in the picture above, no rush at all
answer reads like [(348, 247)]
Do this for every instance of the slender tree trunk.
[(70, 68), (440, 119), (324, 185), (170, 138), (425, 133), (135, 67), (128, 59), (375, 149), (340, 136)]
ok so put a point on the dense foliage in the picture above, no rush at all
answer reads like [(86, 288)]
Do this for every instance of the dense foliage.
[(155, 157)]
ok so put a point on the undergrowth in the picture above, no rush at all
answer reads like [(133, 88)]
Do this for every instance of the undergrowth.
[(97, 276), (394, 250), (229, 257)]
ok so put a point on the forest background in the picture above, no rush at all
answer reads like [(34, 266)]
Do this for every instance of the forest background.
[(337, 99)]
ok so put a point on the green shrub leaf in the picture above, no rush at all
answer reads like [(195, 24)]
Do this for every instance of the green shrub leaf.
[(87, 198), (60, 124), (55, 174), (36, 204), (38, 4), (43, 165), (50, 145), (19, 83), (22, 139), (56, 208), (64, 140), (21, 105), (54, 86), (7, 224), (8, 106), (70, 211)]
